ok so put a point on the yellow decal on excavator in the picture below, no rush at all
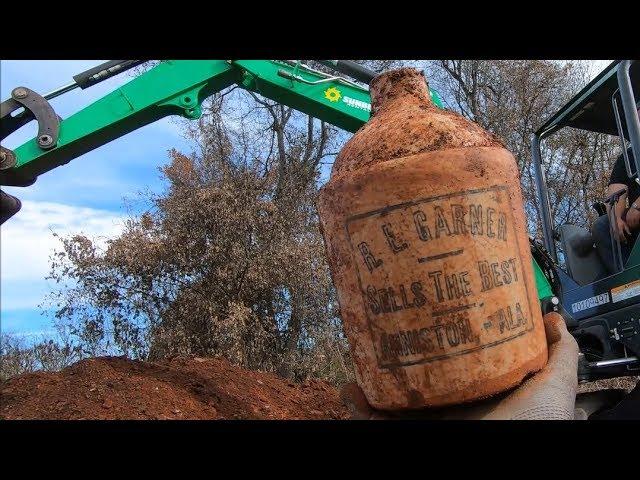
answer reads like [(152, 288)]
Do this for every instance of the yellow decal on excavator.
[(332, 94)]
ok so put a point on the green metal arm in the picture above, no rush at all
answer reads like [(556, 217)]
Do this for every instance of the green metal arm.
[(170, 88), (178, 87)]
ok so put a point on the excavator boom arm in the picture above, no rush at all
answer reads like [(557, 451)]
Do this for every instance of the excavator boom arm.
[(178, 87)]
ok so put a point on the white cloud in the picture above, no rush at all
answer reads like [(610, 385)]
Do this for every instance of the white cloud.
[(27, 242)]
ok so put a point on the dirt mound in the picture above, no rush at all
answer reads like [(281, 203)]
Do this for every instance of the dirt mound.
[(181, 388)]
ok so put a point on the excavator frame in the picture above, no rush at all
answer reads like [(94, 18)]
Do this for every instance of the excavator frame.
[(602, 307)]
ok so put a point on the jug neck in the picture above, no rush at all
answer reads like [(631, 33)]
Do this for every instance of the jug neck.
[(394, 85)]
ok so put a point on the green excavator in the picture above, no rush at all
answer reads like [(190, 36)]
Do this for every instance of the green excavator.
[(602, 310)]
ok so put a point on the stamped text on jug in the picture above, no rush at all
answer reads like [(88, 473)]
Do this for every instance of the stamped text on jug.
[(440, 276)]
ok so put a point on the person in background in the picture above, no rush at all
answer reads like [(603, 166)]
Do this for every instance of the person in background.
[(627, 216)]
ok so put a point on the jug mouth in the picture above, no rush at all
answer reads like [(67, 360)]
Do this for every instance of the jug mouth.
[(398, 83)]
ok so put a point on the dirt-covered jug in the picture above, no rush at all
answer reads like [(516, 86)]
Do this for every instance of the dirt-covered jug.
[(426, 237)]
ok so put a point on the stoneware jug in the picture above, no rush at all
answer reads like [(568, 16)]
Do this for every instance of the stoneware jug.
[(426, 238)]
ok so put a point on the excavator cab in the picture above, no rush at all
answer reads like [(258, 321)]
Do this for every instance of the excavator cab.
[(602, 309)]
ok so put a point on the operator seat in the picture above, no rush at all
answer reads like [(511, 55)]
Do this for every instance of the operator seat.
[(581, 258)]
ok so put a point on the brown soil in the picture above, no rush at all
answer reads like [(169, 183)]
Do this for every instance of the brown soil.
[(182, 388)]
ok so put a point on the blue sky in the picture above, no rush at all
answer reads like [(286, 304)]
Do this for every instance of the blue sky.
[(85, 195)]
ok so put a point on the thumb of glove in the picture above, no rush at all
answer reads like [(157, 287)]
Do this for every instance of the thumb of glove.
[(551, 393)]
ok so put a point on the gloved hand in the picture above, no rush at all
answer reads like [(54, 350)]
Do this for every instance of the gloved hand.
[(549, 395)]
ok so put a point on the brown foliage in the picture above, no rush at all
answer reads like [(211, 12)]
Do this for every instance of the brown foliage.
[(227, 261), (17, 356)]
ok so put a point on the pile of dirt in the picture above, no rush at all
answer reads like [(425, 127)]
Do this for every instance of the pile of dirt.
[(181, 388)]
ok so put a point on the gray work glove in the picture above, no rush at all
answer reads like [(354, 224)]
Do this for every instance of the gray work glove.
[(549, 395)]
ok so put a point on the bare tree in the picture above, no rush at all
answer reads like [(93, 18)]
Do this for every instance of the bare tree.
[(511, 99), (18, 356)]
